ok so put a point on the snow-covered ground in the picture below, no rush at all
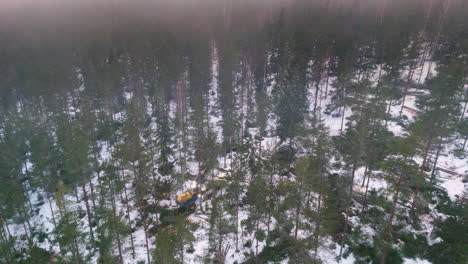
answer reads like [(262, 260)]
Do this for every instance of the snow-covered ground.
[(329, 252)]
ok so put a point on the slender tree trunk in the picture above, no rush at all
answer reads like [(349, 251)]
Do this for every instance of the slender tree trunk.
[(270, 199), (380, 74), (125, 199), (319, 220), (388, 111), (464, 110), (237, 224), (347, 214), (114, 210), (6, 223), (27, 218), (426, 152), (200, 197), (434, 167), (28, 236), (2, 232), (5, 239), (326, 82), (344, 236), (51, 210), (256, 232), (342, 118), (98, 173), (423, 165), (88, 212), (428, 75), (220, 237), (25, 190), (77, 249), (129, 221), (298, 210), (316, 97), (92, 196), (145, 227), (392, 215), (423, 61), (353, 173), (61, 213), (76, 195), (365, 174), (364, 204), (410, 76), (74, 249)]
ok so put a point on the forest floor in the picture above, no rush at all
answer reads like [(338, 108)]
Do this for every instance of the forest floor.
[(451, 174)]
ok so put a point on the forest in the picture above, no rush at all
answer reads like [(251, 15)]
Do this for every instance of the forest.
[(238, 132)]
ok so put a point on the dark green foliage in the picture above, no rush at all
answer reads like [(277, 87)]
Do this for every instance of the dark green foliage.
[(453, 247), (172, 241), (415, 246), (103, 120), (273, 253), (370, 254), (38, 256)]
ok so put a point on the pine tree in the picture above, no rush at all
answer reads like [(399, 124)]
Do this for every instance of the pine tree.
[(400, 170), (172, 242), (13, 194), (441, 108), (133, 155)]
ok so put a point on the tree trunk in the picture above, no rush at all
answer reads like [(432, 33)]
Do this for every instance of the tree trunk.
[(93, 200), (6, 223), (319, 220), (145, 227), (298, 210), (77, 197), (51, 210), (365, 174), (98, 173), (364, 204), (342, 118), (353, 173), (380, 74), (88, 212), (410, 75), (114, 210), (237, 224), (426, 152), (326, 82), (316, 97), (347, 214), (129, 220), (423, 165), (270, 199), (28, 236), (25, 190), (434, 167), (388, 112), (256, 232), (4, 238), (78, 255), (428, 75), (344, 236), (464, 110), (128, 214), (392, 215), (199, 188), (220, 237), (423, 61)]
